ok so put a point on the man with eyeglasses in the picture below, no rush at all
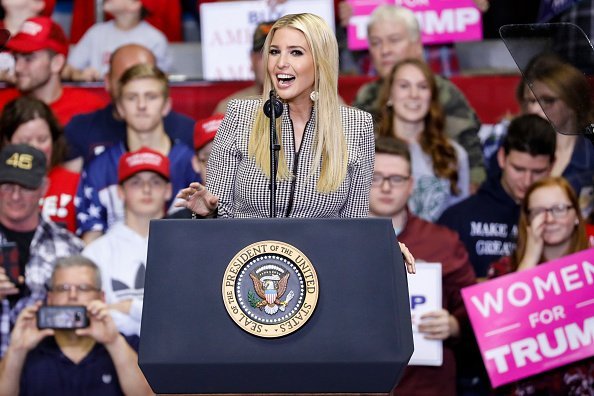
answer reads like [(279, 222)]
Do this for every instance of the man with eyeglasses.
[(30, 241), (120, 253), (96, 360), (391, 188)]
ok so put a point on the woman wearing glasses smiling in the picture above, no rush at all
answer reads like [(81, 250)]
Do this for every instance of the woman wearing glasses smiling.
[(551, 226)]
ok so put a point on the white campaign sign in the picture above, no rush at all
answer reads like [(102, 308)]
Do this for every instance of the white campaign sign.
[(227, 29), (424, 289)]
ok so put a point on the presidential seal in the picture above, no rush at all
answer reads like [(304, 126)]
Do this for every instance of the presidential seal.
[(270, 289)]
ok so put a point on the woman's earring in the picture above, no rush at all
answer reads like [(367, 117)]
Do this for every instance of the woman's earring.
[(314, 96), (389, 104)]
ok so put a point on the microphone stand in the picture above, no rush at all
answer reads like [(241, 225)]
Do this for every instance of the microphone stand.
[(273, 108)]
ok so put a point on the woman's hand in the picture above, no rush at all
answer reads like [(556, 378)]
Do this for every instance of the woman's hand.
[(198, 199), (409, 260), (534, 243)]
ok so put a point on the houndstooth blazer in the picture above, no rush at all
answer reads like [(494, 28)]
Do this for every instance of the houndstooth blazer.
[(242, 187)]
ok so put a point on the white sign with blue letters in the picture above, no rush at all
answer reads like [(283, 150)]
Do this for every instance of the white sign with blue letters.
[(424, 289)]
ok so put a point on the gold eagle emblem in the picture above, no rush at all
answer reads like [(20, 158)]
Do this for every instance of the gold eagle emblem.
[(271, 288)]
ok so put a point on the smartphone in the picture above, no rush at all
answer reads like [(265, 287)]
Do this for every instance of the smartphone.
[(63, 317), (9, 259)]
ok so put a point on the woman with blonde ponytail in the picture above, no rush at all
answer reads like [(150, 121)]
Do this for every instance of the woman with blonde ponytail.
[(327, 150)]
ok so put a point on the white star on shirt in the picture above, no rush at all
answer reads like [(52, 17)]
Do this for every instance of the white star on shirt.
[(88, 192), (82, 217), (94, 211)]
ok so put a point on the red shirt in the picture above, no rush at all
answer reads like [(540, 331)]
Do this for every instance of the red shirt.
[(73, 101), (76, 101), (58, 203), (437, 244)]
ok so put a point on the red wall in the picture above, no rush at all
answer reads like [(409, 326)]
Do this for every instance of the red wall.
[(491, 96)]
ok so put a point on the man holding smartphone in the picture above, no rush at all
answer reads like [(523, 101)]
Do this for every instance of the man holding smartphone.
[(96, 360)]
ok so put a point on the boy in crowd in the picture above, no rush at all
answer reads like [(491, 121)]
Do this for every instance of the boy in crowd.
[(144, 189), (88, 135), (142, 101)]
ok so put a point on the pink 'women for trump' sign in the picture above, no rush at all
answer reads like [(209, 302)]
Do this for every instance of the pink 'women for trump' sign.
[(532, 321), (442, 21)]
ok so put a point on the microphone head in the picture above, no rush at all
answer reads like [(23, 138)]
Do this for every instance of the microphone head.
[(276, 104), (273, 103)]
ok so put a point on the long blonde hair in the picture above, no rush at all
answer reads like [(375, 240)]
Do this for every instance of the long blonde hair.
[(329, 144)]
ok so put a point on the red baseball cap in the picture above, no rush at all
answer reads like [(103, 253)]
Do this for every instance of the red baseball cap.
[(141, 160), (39, 33), (206, 129)]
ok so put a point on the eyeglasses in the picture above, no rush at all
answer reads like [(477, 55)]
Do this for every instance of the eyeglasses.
[(393, 180), (557, 211), (66, 287), (9, 188)]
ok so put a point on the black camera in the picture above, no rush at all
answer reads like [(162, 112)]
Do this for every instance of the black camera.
[(63, 317)]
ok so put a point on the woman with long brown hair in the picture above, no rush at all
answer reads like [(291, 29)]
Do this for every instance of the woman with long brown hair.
[(411, 111)]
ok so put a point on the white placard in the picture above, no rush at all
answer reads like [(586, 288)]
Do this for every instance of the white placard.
[(227, 29), (424, 289)]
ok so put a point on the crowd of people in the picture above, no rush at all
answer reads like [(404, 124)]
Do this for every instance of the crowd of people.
[(81, 179)]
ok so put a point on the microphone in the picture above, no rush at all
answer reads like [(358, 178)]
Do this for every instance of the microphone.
[(271, 103), (273, 108)]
